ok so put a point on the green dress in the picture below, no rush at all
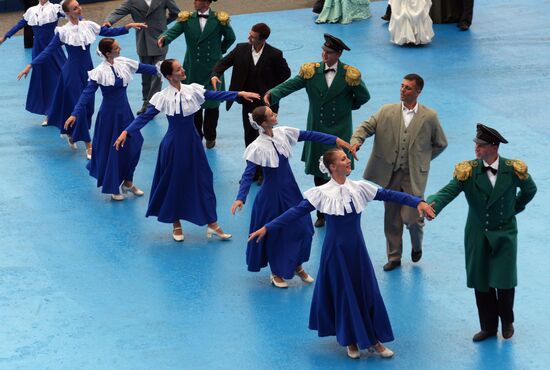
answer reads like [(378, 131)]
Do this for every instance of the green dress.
[(344, 11), (204, 48), (329, 108), (490, 235)]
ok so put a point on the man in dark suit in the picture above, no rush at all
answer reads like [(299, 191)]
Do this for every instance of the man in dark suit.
[(257, 67)]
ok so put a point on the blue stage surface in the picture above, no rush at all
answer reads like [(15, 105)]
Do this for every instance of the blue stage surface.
[(87, 283)]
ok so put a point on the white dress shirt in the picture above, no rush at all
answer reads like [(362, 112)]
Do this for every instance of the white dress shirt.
[(492, 177), (148, 2), (329, 76), (256, 55), (202, 21), (408, 114)]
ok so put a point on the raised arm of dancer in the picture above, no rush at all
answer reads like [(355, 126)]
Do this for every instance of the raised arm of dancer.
[(424, 209), (22, 23)]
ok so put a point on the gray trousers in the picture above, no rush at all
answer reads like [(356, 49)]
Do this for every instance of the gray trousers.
[(396, 216), (150, 84)]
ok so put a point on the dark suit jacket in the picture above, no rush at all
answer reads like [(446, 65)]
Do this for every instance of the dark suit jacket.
[(272, 68)]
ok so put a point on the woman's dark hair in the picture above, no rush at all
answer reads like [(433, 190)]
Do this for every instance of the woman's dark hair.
[(259, 115), (330, 156), (106, 45), (65, 5), (262, 29), (167, 67)]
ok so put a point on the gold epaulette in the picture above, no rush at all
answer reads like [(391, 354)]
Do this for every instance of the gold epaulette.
[(223, 18), (307, 70), (353, 75), (183, 16), (520, 168), (463, 170)]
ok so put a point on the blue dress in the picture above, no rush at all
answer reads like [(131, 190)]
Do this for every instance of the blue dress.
[(44, 76), (183, 183), (74, 77), (109, 166), (346, 301), (283, 250)]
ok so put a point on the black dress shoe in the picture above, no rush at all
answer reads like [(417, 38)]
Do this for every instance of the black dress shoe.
[(416, 255), (463, 26), (507, 330), (391, 265), (320, 222), (210, 144), (482, 335), (386, 17)]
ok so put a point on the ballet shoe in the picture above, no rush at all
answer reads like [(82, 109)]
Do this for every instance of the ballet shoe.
[(44, 123), (218, 233), (134, 189), (88, 153), (70, 141), (353, 353), (278, 284), (306, 278), (178, 238), (117, 197), (386, 353)]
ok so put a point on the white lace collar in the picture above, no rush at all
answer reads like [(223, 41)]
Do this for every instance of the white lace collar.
[(334, 199), (186, 101), (265, 149), (81, 34), (40, 15), (124, 68)]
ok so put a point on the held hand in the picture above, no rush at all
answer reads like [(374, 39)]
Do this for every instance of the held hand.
[(137, 26), (119, 143), (24, 72), (249, 96), (237, 206), (344, 144), (2, 39), (426, 210), (267, 98), (106, 24), (215, 81), (160, 41), (69, 122), (355, 147), (259, 234)]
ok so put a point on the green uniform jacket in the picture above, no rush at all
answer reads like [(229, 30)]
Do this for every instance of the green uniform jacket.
[(329, 108), (490, 235), (204, 49)]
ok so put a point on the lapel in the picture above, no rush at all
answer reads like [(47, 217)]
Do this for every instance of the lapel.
[(338, 84), (396, 120), (503, 182), (141, 5), (154, 5), (210, 25), (262, 57), (481, 179), (416, 124)]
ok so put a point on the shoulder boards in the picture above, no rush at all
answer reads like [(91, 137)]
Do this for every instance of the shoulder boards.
[(307, 70), (223, 18), (353, 75), (463, 170), (183, 16), (520, 168)]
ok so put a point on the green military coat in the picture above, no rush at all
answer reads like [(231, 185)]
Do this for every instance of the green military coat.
[(490, 236), (204, 48), (329, 108)]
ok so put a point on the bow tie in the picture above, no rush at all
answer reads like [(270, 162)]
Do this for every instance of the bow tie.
[(489, 168), (202, 15), (330, 70)]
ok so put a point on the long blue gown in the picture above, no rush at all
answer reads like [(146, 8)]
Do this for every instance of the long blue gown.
[(71, 82), (346, 301), (109, 166), (44, 76), (183, 183), (283, 250)]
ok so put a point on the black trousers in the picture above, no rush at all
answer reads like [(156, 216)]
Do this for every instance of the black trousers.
[(206, 121), (494, 304), (467, 12), (28, 34), (318, 182)]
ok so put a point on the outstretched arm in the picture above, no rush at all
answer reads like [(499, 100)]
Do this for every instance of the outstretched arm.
[(22, 23)]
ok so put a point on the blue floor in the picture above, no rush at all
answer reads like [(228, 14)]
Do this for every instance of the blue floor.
[(87, 283)]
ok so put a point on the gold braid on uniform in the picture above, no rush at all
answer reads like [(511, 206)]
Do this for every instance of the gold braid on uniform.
[(223, 18), (353, 76), (183, 16), (463, 170), (520, 168), (307, 70)]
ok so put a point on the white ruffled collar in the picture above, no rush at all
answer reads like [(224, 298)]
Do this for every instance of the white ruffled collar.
[(81, 34), (40, 15), (123, 68), (186, 101), (265, 149), (334, 199)]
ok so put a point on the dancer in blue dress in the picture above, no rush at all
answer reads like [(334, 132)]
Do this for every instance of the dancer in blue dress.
[(183, 184), (43, 20), (77, 35), (284, 251), (346, 301), (114, 170)]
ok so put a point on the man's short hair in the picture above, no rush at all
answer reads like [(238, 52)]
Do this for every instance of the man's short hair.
[(262, 29), (417, 79)]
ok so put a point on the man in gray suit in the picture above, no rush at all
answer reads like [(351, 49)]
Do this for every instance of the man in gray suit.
[(407, 136), (153, 13)]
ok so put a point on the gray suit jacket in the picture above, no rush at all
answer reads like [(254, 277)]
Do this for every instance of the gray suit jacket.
[(154, 16), (427, 141)]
